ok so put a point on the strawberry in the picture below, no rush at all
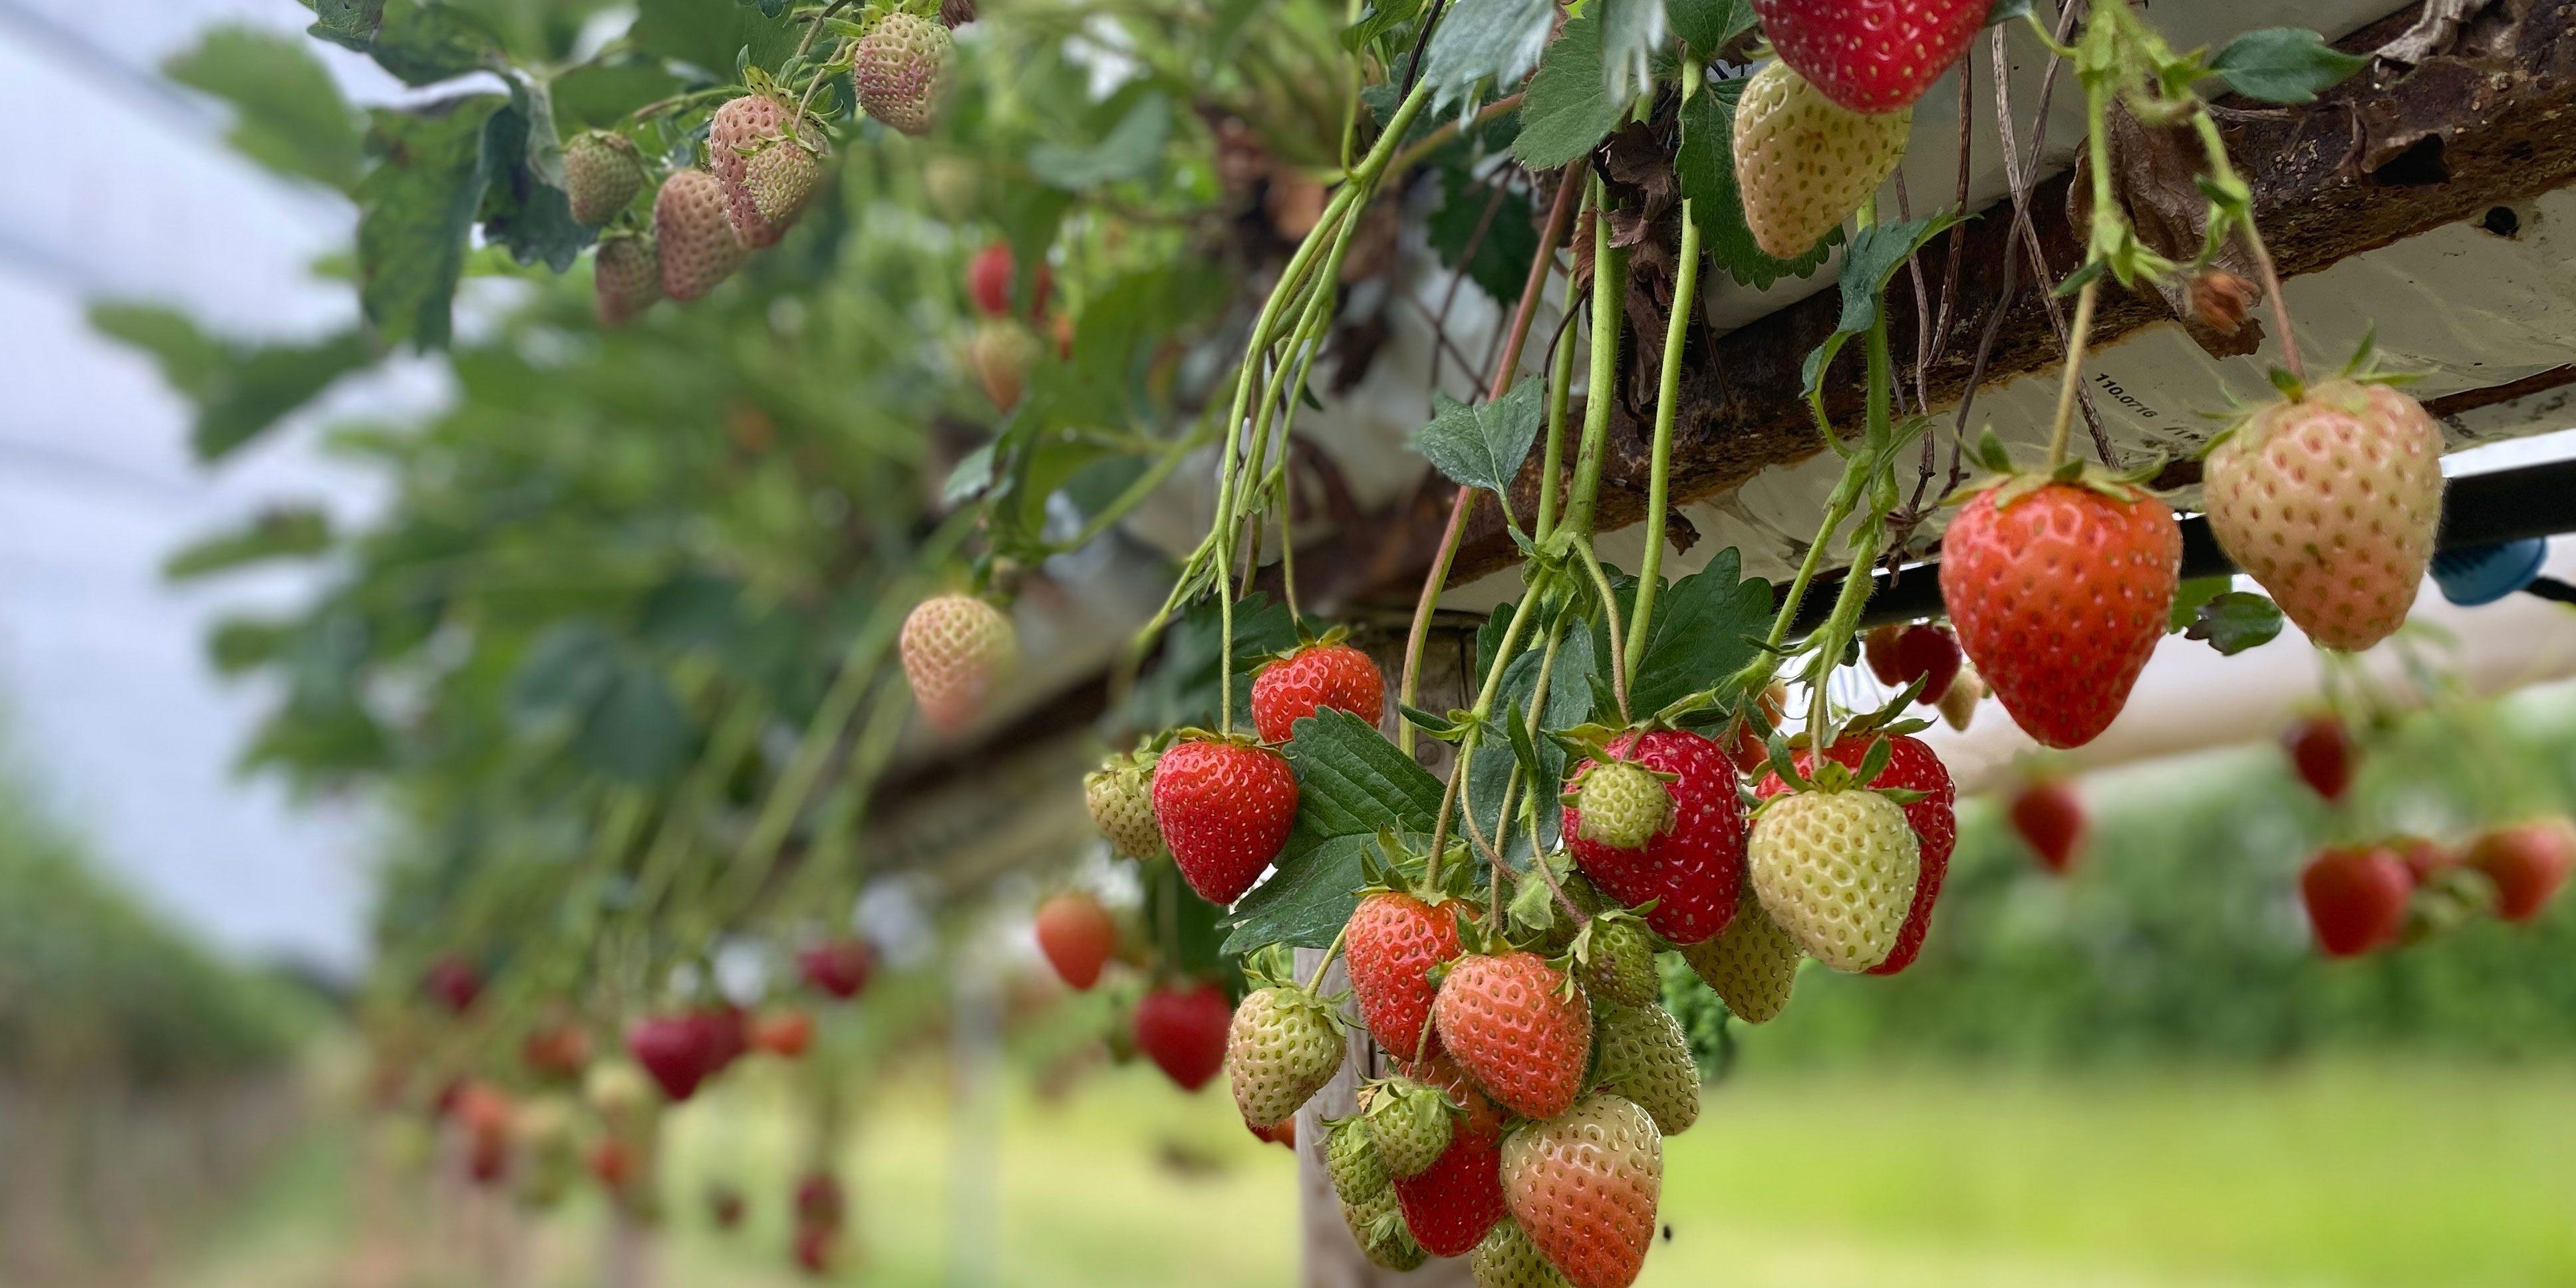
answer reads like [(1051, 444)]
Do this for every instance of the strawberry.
[(1959, 702), (2356, 899), (2527, 862), (956, 650), (1911, 766), (723, 1034), (1804, 163), (1837, 869), (1077, 936), (672, 1049), (1694, 867), (1000, 354), (1449, 1205), (1410, 1122), (813, 1249), (1225, 808), (555, 1050), (1752, 967), (991, 275), (1507, 1259), (820, 1202), (626, 276), (779, 179), (1519, 1027), (1899, 655), (1368, 1197), (1183, 1031), (1120, 796), (1284, 1044), (2330, 501), (2425, 859), (900, 69), (1335, 675), (786, 1034), (602, 175), (753, 131), (2050, 818), (1871, 55), (454, 982), (1285, 1134), (1584, 1186), (1646, 1058), (611, 1163), (1618, 960), (697, 245), (2059, 594), (1748, 747), (1389, 947), (2321, 754), (839, 967), (1622, 803)]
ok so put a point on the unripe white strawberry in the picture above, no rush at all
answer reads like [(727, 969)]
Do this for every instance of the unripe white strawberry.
[(602, 174), (1284, 1044), (697, 243), (1410, 1123), (956, 649), (626, 277), (1624, 804), (1507, 1259), (900, 69), (1368, 1198), (779, 179), (2331, 503), (1959, 702), (1836, 869), (1805, 163), (1120, 796), (1001, 354), (1751, 966), (1645, 1058), (742, 132)]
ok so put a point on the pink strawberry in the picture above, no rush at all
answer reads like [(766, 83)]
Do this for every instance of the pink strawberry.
[(1077, 936), (626, 276), (956, 650), (1585, 1186), (1225, 808), (2050, 818), (1519, 1027), (2059, 594), (1911, 766), (742, 132), (698, 247), (2528, 863), (1389, 946), (1871, 55), (1694, 867), (900, 69), (2331, 502), (1291, 688)]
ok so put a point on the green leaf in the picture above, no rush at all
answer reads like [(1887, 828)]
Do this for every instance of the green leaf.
[(2235, 621), (421, 43), (2189, 596), (973, 474), (287, 112), (1350, 783), (2003, 11), (287, 532), (1569, 109), (414, 210), (1708, 26), (1633, 33), (1704, 630), (2284, 65), (600, 95), (1500, 266), (1569, 703), (564, 673), (1480, 40), (1483, 446), (239, 391), (1302, 905), (709, 36), (1704, 166), (1130, 150), (525, 207), (636, 731), (693, 609), (1377, 22), (1876, 256)]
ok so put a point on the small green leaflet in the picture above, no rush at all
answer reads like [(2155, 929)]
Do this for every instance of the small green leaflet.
[(1632, 31), (1704, 630), (1876, 255), (1568, 109), (973, 474), (2284, 64), (2189, 596), (1483, 446), (1708, 26), (2236, 621), (1705, 167), (1480, 40), (1350, 782)]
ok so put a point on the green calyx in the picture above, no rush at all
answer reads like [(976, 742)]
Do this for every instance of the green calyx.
[(2010, 483)]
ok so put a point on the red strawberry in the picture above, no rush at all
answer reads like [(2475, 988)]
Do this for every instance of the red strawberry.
[(786, 1033), (2424, 859), (1748, 749), (1077, 936), (1390, 945), (1911, 765), (1183, 1031), (672, 1049), (839, 967), (724, 1036), (1871, 55), (611, 1163), (1319, 675), (2059, 595), (1225, 808), (1584, 1186), (1694, 868), (2527, 862), (991, 275), (1519, 1027), (2050, 818), (956, 650), (2321, 753), (1899, 654), (693, 235), (2356, 899), (454, 982), (1449, 1205), (820, 1204)]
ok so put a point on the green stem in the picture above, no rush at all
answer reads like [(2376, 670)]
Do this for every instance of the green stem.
[(1332, 950), (2078, 333), (1482, 711), (1609, 289), (1560, 396), (1667, 400)]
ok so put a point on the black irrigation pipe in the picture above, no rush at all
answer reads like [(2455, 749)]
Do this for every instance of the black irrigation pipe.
[(2477, 510)]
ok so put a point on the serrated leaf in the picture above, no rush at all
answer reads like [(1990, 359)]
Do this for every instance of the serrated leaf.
[(415, 207), (1708, 26), (525, 207), (711, 37), (1568, 109), (239, 391), (1350, 783), (1704, 628), (2235, 621), (2284, 65), (1704, 167), (1483, 446), (419, 43), (288, 114), (1876, 255), (2189, 596), (1478, 40), (1632, 32)]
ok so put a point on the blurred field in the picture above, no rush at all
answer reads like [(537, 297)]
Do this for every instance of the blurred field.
[(2336, 1174)]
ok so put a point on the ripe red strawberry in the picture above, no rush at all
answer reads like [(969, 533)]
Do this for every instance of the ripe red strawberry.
[(1585, 1185), (2331, 503), (1291, 688), (1804, 163), (1871, 55), (1000, 354), (1077, 936), (1519, 1027), (625, 277), (1899, 654), (1748, 749), (2321, 753), (839, 967), (602, 175), (723, 1034), (1182, 1030), (956, 650), (1449, 1205), (1389, 947), (786, 1034), (2528, 863), (672, 1048), (900, 68), (1225, 808), (1282, 1046), (2059, 595), (695, 238), (2356, 899), (1911, 765), (2050, 818), (454, 982), (1694, 867), (992, 273)]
